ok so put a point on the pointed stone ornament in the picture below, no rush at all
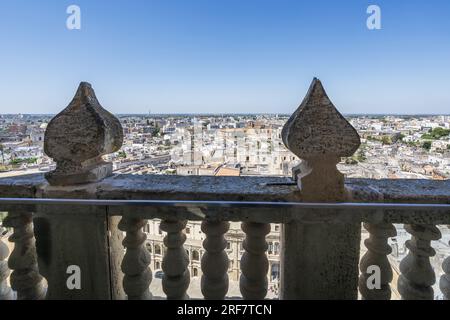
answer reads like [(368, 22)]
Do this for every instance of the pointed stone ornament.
[(319, 261), (78, 137), (317, 130), (317, 133)]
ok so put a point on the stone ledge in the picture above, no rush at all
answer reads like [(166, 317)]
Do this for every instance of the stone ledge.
[(126, 186), (237, 189)]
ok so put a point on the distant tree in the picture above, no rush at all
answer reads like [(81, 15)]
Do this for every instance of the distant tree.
[(350, 160), (398, 137), (2, 148), (361, 156), (426, 145), (386, 140), (156, 131), (436, 133), (17, 161)]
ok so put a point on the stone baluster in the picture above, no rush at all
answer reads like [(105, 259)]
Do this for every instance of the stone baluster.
[(135, 263), (444, 282), (25, 278), (175, 263), (80, 236), (377, 251), (5, 291), (320, 261), (417, 274), (254, 263), (215, 261)]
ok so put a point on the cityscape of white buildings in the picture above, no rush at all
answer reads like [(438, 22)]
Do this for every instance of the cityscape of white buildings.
[(394, 147)]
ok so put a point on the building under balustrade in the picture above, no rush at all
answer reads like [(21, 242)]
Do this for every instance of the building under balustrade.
[(83, 215), (194, 248)]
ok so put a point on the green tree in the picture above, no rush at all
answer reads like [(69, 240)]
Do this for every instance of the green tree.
[(386, 140), (436, 133), (427, 145), (2, 149), (156, 131), (361, 156), (398, 137)]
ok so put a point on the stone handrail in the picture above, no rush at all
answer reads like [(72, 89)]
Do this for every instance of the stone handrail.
[(319, 246)]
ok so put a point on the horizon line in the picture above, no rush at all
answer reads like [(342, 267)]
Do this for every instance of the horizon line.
[(236, 113)]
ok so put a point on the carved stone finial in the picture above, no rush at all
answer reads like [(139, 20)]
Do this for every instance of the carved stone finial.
[(317, 133), (78, 136), (317, 129)]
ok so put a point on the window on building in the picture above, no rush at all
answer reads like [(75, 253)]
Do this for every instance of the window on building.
[(157, 249), (276, 248), (148, 245), (188, 230), (228, 245), (270, 248), (275, 271), (157, 265), (195, 272), (277, 228), (195, 255)]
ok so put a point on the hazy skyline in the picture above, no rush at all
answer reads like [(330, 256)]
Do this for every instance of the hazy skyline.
[(231, 56)]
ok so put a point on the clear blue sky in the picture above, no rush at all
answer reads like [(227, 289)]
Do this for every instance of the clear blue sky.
[(223, 56)]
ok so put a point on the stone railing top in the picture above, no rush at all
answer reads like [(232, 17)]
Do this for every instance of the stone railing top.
[(172, 187), (78, 136), (159, 187)]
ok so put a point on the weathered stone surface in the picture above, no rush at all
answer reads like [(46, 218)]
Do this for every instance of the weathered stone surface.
[(128, 186), (215, 262), (78, 136), (175, 263), (5, 291), (377, 253), (317, 129), (25, 278), (135, 263), (65, 238), (417, 275), (134, 187), (444, 282), (320, 261), (253, 281)]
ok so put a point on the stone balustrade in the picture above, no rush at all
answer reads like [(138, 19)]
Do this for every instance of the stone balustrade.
[(320, 244)]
